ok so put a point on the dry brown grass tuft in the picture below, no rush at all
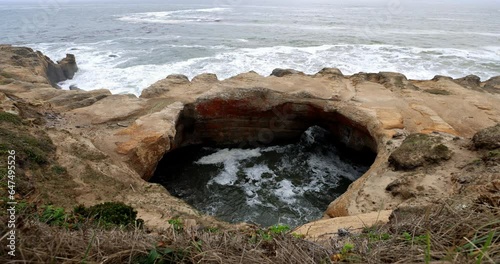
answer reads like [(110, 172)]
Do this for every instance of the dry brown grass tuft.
[(41, 243), (449, 232)]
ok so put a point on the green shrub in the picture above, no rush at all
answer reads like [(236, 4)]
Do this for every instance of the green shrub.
[(176, 224), (279, 229), (53, 215), (10, 118), (59, 170), (110, 214)]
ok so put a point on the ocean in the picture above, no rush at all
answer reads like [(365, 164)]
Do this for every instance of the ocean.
[(127, 47)]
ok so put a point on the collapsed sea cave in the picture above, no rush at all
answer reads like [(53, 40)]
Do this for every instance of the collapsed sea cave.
[(242, 162)]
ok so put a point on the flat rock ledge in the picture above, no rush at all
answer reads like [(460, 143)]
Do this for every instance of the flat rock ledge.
[(122, 138)]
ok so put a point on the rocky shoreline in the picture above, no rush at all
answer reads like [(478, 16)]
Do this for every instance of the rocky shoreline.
[(110, 144)]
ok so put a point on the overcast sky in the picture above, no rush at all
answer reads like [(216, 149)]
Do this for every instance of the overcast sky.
[(489, 3), (211, 2)]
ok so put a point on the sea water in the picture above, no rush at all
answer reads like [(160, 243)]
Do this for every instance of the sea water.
[(289, 184), (126, 47)]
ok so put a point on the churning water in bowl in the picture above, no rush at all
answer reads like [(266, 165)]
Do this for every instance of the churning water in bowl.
[(288, 184)]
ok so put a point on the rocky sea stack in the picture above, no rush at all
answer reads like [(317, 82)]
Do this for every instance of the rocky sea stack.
[(433, 139)]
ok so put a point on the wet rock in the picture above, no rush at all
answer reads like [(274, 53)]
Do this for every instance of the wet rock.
[(492, 85), (206, 77), (391, 80), (470, 81), (31, 66), (418, 150), (441, 78), (73, 87), (284, 72), (178, 79), (163, 86), (330, 72), (488, 138), (68, 66)]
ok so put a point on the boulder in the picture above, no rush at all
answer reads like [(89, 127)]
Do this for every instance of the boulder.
[(68, 66), (284, 72), (27, 65), (391, 80), (163, 86), (330, 72), (470, 81), (418, 150), (492, 85), (177, 79), (206, 77), (488, 138), (74, 87), (441, 77)]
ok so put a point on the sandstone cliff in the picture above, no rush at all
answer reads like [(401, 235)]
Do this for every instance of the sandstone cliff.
[(110, 144)]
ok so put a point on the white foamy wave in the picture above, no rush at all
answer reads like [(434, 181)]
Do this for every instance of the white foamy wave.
[(176, 17), (98, 70), (226, 155), (416, 63), (286, 191), (254, 181), (255, 173), (449, 19), (230, 158)]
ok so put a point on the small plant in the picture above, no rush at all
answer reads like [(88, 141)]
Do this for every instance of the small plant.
[(374, 236), (212, 229), (53, 215), (110, 214), (421, 239), (479, 246), (486, 247), (346, 254), (428, 248), (298, 236), (348, 247), (279, 229), (10, 118), (162, 255), (58, 170), (176, 224), (266, 236)]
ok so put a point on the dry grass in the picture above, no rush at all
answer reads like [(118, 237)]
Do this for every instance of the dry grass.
[(446, 232), (451, 232), (40, 243)]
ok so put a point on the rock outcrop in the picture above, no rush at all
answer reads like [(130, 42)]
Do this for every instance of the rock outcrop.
[(488, 138), (23, 64), (68, 66), (417, 150), (492, 85), (110, 144), (285, 72)]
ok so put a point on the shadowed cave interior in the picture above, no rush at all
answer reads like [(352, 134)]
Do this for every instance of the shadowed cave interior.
[(264, 167)]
